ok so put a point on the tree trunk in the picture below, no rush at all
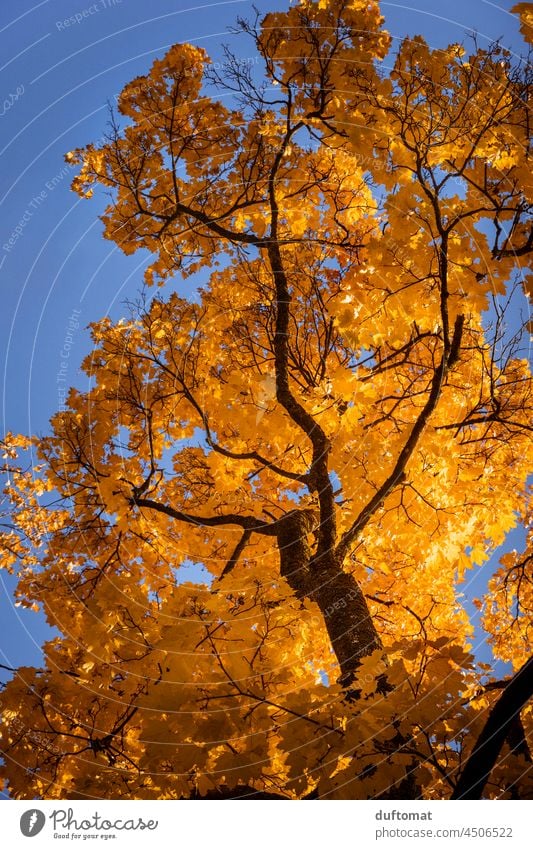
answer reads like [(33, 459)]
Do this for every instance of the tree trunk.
[(337, 593)]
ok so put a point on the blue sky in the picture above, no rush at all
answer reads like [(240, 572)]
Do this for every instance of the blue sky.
[(63, 61)]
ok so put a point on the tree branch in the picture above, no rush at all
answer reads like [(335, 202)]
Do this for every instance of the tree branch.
[(487, 748), (398, 473), (239, 548), (249, 523)]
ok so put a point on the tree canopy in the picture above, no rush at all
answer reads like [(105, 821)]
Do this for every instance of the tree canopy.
[(252, 528)]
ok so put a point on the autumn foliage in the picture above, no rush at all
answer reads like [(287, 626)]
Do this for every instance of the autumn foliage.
[(252, 527)]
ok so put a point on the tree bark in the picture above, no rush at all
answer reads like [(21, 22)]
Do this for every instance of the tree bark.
[(337, 593)]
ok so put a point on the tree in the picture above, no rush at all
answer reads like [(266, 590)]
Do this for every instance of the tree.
[(331, 431)]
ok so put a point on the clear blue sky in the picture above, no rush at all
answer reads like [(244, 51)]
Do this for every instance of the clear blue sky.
[(56, 81)]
